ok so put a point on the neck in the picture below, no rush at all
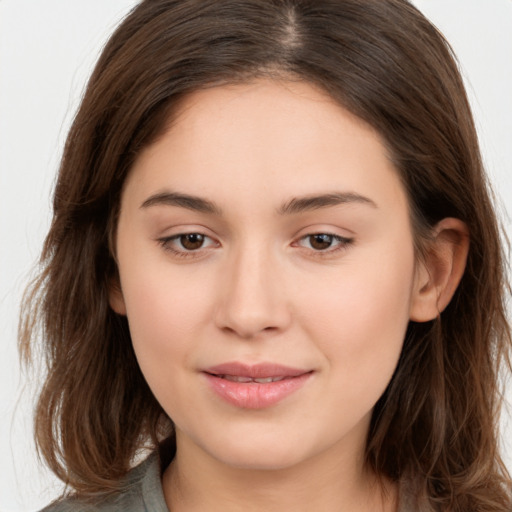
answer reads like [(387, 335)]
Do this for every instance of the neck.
[(196, 482)]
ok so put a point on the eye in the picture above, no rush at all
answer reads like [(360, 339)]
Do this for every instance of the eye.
[(191, 241), (324, 242), (184, 243)]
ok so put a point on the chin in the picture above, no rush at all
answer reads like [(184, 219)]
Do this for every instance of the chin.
[(262, 454), (262, 461)]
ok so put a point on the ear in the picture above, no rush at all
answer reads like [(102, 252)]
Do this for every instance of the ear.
[(115, 296), (441, 270)]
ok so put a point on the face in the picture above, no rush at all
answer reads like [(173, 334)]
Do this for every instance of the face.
[(267, 271)]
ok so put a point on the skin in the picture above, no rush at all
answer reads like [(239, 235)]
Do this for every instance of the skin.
[(261, 289)]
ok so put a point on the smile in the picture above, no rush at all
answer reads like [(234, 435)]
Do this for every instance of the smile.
[(237, 378), (257, 386)]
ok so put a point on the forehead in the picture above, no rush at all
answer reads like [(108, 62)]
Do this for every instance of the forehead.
[(265, 140)]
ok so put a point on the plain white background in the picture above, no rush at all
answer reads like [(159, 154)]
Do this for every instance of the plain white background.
[(47, 49)]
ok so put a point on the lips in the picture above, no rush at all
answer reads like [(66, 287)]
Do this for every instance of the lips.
[(255, 386), (239, 378)]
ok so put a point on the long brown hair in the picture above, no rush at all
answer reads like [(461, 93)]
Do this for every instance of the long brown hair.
[(436, 424)]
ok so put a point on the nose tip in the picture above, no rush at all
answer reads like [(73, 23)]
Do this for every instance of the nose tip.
[(253, 302)]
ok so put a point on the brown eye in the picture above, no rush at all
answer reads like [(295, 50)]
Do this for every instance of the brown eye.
[(187, 244), (192, 241), (321, 241), (324, 243)]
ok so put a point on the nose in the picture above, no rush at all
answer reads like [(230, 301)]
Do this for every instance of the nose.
[(253, 298)]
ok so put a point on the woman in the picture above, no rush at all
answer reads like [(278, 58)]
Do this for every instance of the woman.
[(274, 262)]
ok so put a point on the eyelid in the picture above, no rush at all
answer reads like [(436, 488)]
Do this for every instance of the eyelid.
[(338, 238), (166, 242), (342, 243)]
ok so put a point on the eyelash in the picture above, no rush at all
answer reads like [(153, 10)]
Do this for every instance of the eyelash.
[(166, 243), (342, 244)]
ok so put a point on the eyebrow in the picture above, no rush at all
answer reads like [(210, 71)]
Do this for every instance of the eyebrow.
[(195, 203), (293, 206), (315, 202)]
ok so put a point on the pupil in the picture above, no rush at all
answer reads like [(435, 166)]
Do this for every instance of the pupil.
[(192, 241), (321, 241)]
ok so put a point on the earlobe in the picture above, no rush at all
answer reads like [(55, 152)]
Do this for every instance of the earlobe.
[(441, 270), (115, 297)]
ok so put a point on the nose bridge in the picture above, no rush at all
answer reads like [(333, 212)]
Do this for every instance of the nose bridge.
[(253, 298)]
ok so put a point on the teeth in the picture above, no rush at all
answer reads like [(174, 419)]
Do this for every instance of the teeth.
[(268, 379), (237, 378), (264, 380)]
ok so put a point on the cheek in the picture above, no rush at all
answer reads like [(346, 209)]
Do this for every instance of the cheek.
[(360, 322), (165, 313), (165, 318)]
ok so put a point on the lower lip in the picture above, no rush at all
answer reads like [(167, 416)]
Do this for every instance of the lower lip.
[(254, 395)]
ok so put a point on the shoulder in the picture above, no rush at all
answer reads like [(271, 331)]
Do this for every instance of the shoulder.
[(142, 492)]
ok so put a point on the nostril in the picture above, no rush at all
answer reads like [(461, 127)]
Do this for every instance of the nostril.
[(248, 332)]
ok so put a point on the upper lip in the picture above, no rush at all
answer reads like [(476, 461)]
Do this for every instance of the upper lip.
[(255, 371)]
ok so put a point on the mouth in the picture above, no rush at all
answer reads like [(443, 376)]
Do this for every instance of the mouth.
[(255, 386), (240, 378)]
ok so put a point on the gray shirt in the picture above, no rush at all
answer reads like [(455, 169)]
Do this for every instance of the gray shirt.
[(144, 493)]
